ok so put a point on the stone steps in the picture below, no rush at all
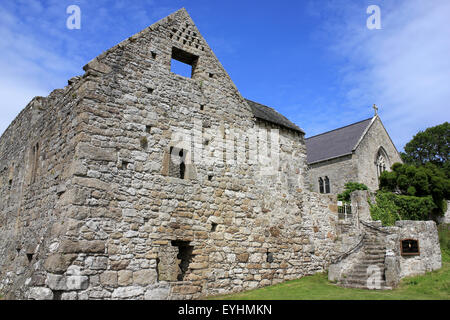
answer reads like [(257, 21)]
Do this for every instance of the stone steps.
[(374, 251)]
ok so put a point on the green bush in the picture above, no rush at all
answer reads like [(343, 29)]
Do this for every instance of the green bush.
[(349, 188), (425, 181), (384, 209), (391, 207)]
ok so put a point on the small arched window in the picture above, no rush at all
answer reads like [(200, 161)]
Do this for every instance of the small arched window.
[(321, 186), (327, 185)]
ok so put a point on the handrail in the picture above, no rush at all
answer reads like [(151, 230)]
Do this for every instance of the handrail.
[(349, 252), (373, 227)]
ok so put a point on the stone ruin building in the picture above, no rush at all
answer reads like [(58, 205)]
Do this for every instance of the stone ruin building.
[(126, 184)]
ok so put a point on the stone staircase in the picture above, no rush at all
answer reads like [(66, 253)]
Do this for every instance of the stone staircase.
[(368, 272)]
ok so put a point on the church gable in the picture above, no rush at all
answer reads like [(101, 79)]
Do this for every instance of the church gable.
[(152, 52), (358, 152), (374, 154)]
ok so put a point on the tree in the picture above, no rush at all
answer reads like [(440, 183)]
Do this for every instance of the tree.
[(423, 181), (431, 145), (349, 188)]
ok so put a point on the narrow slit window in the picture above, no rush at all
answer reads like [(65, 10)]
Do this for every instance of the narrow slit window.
[(34, 161)]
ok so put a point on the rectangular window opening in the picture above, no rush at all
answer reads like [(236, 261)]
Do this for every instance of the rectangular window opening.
[(183, 63), (177, 166), (184, 257), (269, 257)]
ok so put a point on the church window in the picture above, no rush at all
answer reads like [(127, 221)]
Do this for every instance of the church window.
[(381, 165), (183, 63), (321, 185), (327, 185)]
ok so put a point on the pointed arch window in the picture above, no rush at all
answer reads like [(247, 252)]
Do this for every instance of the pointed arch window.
[(381, 164), (321, 185), (327, 185)]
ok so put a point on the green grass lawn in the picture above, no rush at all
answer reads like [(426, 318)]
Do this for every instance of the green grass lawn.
[(433, 285)]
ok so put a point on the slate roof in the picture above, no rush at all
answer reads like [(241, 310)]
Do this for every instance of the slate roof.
[(266, 113), (335, 143)]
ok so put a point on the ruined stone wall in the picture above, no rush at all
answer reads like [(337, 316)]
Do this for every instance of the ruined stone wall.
[(36, 153), (365, 156), (339, 171), (121, 226), (426, 233)]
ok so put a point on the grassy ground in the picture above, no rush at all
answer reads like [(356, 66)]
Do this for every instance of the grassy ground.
[(433, 285)]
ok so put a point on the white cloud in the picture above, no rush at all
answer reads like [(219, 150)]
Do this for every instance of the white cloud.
[(30, 66), (404, 68), (38, 54)]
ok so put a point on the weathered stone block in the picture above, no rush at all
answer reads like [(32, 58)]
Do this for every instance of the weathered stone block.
[(157, 292), (58, 263), (119, 264), (109, 278), (144, 277), (127, 292), (40, 293), (56, 282), (77, 282), (125, 277), (96, 263), (87, 151)]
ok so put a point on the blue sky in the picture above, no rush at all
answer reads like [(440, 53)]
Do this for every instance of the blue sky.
[(315, 61)]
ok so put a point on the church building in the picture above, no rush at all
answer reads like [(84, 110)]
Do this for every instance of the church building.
[(358, 152)]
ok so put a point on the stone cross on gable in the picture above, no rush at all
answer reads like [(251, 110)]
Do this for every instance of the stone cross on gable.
[(375, 108)]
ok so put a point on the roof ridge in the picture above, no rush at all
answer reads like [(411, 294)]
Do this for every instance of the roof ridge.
[(267, 113), (338, 128)]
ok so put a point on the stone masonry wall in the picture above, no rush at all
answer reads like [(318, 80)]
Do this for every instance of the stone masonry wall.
[(36, 157), (339, 171), (114, 223), (430, 254)]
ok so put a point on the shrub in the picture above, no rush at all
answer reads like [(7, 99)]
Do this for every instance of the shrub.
[(425, 181), (384, 209), (391, 207), (144, 142), (349, 188)]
